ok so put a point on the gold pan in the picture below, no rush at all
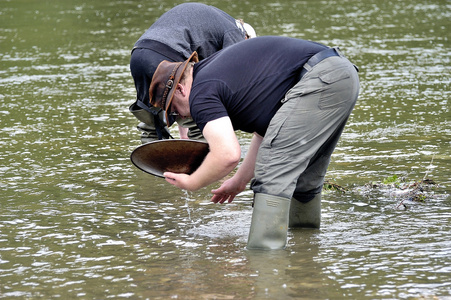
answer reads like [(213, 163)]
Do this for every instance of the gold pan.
[(177, 156)]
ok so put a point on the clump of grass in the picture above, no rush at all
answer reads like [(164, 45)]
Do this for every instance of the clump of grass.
[(392, 180), (330, 186), (418, 190)]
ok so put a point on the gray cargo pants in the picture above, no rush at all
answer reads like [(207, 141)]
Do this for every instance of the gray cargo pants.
[(295, 152)]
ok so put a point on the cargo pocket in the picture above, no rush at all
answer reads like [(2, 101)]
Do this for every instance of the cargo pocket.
[(337, 90)]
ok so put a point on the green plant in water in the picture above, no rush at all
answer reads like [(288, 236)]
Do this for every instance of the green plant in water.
[(392, 180), (419, 198)]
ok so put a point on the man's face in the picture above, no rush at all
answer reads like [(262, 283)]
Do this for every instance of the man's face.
[(180, 104)]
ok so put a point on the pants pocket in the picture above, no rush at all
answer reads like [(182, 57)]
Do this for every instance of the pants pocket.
[(337, 88)]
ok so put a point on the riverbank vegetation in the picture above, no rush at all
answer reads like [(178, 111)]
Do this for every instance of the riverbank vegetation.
[(398, 188)]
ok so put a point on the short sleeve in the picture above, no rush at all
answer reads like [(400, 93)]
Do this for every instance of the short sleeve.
[(206, 102)]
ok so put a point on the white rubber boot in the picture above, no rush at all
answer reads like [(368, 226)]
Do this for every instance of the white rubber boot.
[(307, 215), (269, 225)]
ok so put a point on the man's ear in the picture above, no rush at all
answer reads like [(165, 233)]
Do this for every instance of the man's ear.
[(180, 89)]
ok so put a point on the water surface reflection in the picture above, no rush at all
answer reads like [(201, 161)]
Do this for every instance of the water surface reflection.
[(78, 220)]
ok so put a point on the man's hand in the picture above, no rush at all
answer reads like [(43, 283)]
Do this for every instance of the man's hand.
[(183, 132), (228, 190), (180, 180), (235, 185)]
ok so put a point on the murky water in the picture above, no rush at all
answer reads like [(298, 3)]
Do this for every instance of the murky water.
[(77, 220)]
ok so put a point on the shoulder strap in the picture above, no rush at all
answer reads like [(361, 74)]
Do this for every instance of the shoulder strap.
[(160, 127)]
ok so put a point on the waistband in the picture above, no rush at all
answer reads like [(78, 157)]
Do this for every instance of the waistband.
[(317, 58), (160, 48)]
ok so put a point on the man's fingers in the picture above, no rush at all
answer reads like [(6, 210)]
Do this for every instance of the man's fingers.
[(221, 198)]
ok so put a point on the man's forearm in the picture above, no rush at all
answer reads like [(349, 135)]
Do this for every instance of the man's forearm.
[(213, 168), (246, 171), (224, 155)]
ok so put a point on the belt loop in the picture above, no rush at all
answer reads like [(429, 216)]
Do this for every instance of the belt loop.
[(337, 49), (307, 67)]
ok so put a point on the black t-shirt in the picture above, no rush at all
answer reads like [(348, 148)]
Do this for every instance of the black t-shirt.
[(248, 80)]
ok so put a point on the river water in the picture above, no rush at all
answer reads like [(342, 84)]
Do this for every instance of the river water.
[(78, 220)]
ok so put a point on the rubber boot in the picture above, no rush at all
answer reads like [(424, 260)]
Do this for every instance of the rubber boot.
[(148, 133), (307, 215), (269, 225)]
